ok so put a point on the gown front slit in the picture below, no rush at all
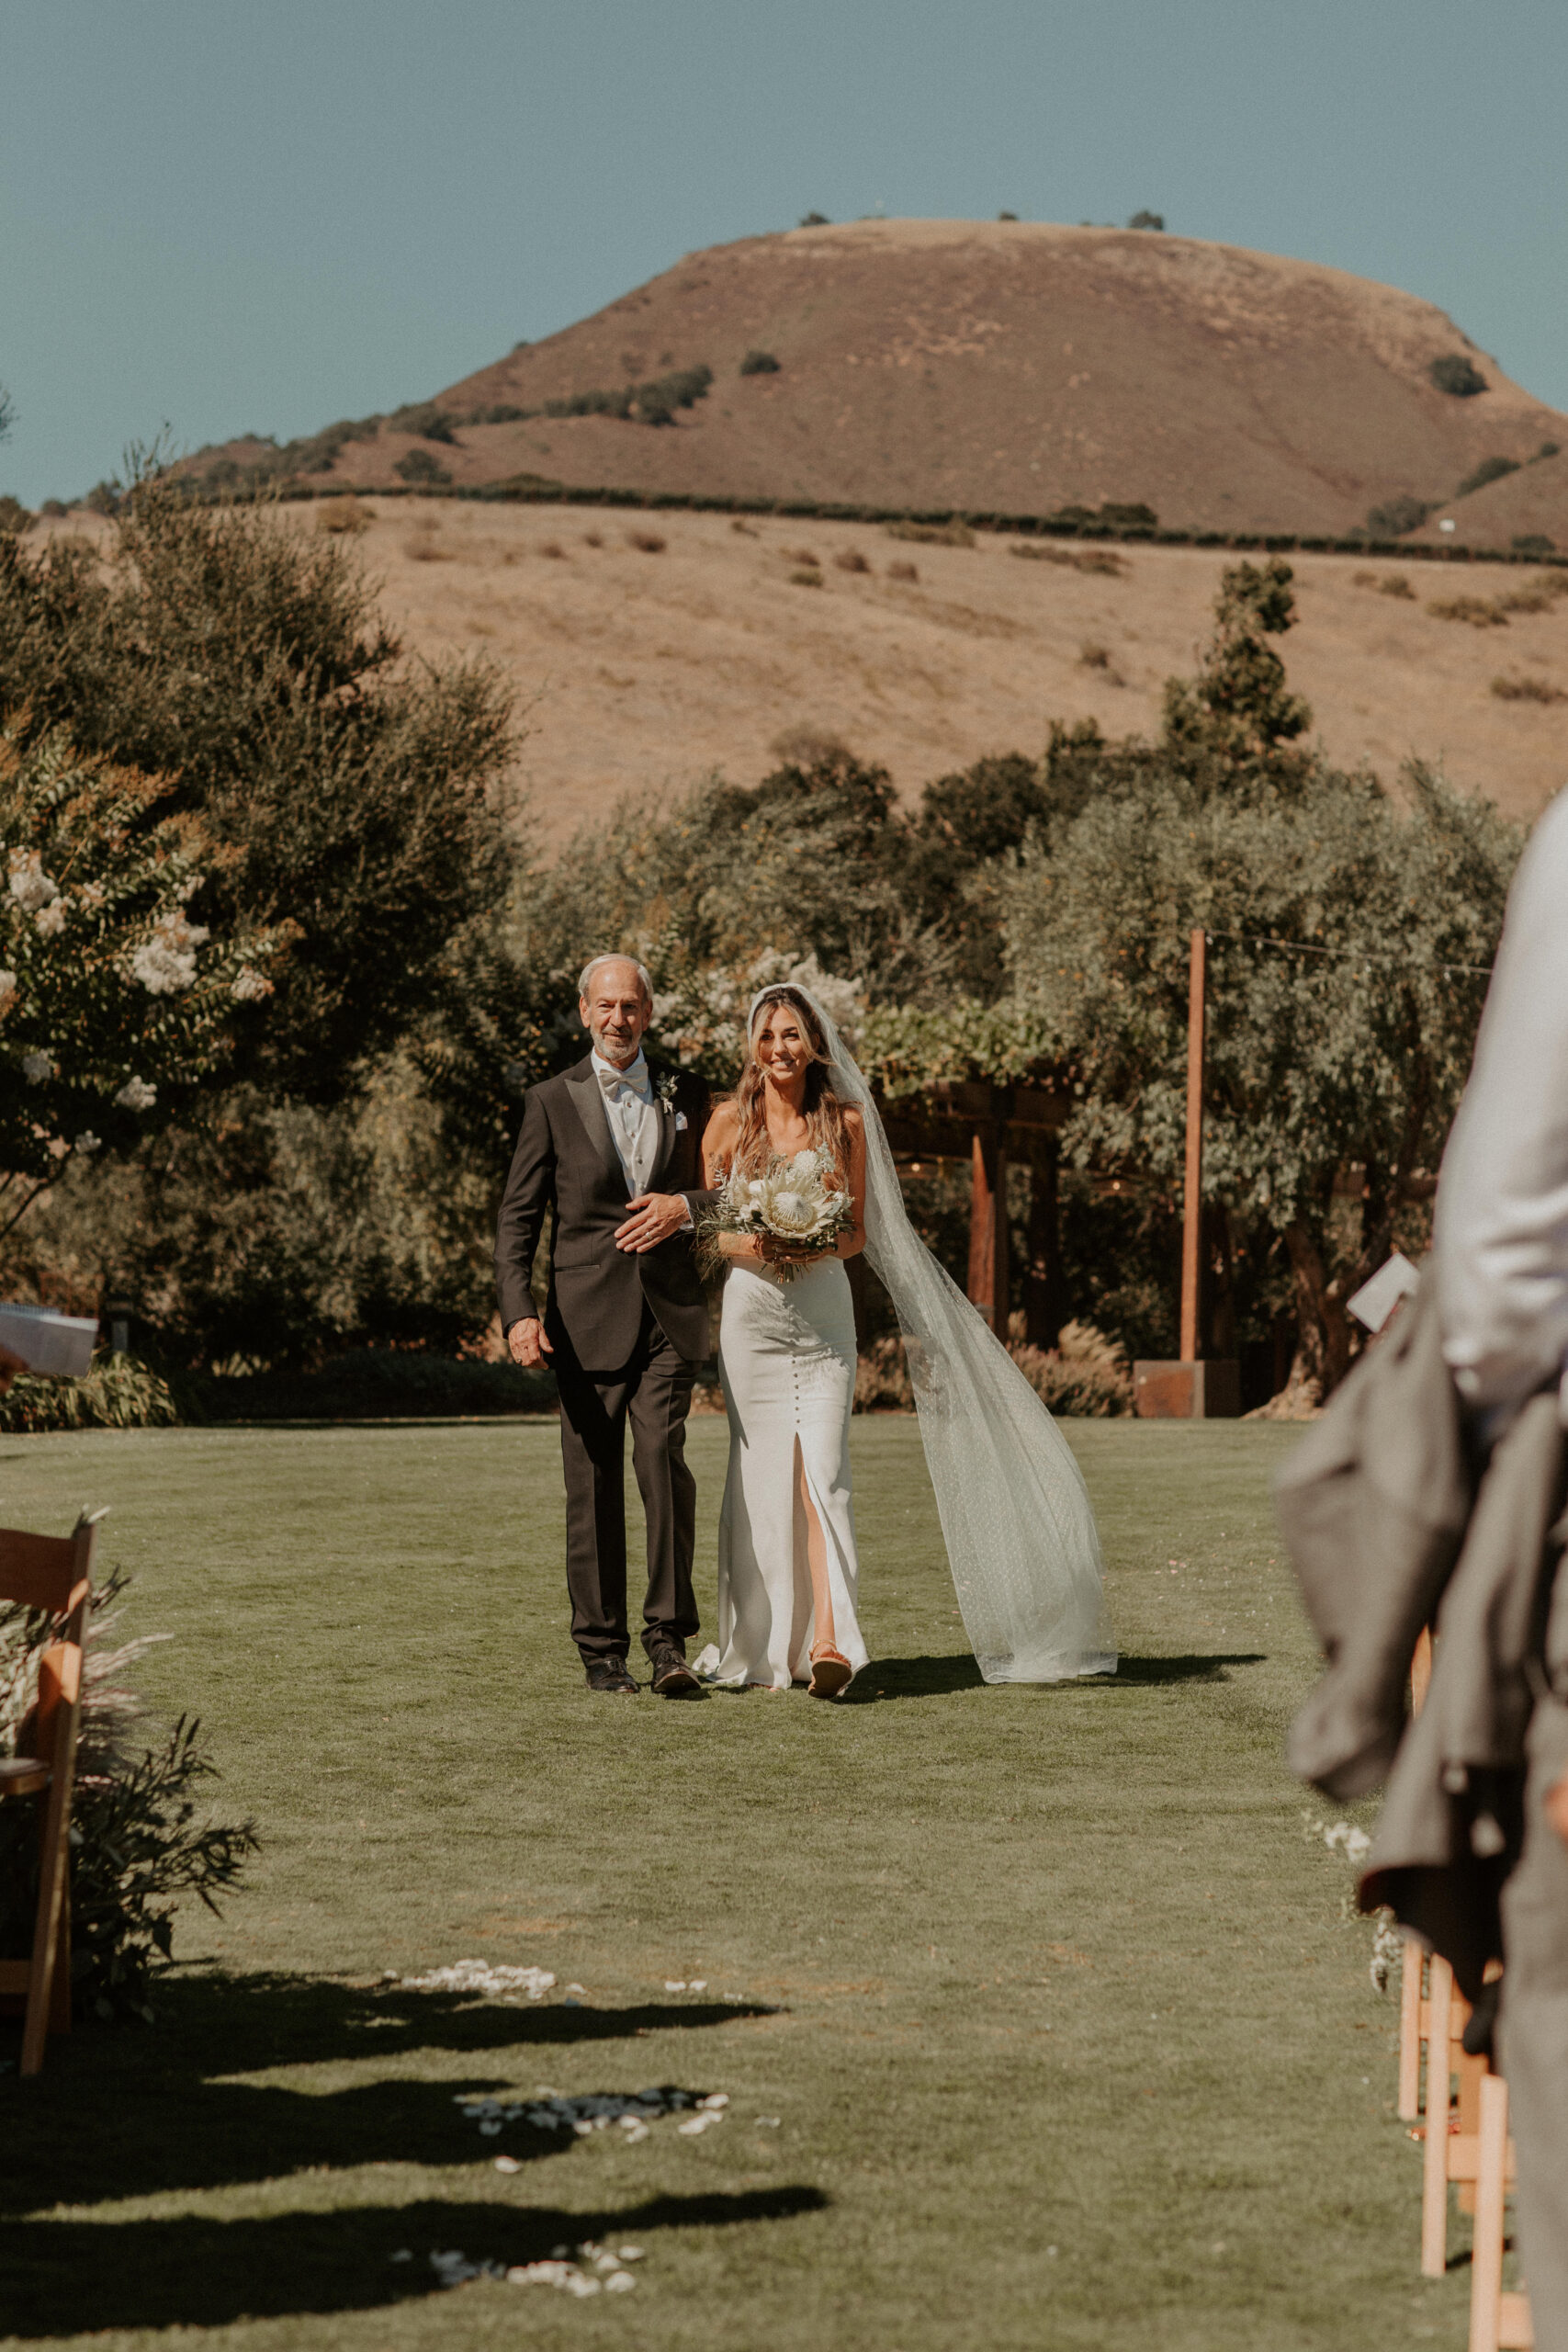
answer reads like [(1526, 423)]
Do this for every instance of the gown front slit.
[(787, 1363)]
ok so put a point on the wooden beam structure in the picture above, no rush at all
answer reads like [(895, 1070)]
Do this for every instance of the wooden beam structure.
[(1192, 1195), (982, 1126)]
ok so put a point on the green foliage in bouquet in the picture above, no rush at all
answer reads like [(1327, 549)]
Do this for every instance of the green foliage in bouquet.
[(140, 1839)]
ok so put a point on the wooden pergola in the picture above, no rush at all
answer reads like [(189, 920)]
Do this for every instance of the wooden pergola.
[(987, 1128)]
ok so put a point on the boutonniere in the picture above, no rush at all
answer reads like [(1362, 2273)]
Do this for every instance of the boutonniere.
[(667, 1086)]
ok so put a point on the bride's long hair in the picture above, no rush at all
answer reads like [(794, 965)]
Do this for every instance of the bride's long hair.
[(823, 1111)]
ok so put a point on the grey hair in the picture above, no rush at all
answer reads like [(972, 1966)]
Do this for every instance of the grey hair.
[(585, 978)]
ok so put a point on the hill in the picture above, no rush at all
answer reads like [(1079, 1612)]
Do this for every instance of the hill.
[(644, 666), (1000, 366)]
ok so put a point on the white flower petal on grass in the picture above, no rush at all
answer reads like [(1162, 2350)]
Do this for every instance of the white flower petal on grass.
[(619, 2282), (480, 1976), (507, 2164), (699, 2123), (630, 2253), (674, 1984), (37, 1067), (697, 1985), (714, 2102), (137, 1095)]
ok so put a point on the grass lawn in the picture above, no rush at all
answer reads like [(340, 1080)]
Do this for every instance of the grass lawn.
[(1067, 2041)]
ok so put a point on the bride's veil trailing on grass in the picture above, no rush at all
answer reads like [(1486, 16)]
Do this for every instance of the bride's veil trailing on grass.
[(1015, 1513)]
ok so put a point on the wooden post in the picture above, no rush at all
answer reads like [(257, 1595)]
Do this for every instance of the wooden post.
[(1045, 1302), (1192, 1199), (989, 1228)]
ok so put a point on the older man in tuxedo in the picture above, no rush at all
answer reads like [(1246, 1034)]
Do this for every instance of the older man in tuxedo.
[(618, 1159)]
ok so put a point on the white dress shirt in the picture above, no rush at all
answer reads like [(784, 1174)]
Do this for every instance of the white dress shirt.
[(634, 1113), (1501, 1230)]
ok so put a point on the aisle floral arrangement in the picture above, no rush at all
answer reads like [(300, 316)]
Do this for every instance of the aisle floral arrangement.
[(137, 1843)]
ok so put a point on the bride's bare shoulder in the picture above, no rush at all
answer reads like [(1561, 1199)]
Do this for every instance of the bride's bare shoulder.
[(724, 1122)]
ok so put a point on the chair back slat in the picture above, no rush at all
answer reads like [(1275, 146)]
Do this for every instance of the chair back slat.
[(38, 1571), (52, 1572)]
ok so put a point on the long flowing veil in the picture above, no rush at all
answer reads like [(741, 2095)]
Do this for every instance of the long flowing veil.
[(1015, 1513)]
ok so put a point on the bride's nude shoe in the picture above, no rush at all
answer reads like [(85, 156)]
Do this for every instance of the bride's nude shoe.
[(830, 1671)]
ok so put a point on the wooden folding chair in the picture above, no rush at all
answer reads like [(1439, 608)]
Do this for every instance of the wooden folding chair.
[(53, 1573), (1451, 2151), (1498, 2322), (1412, 2000)]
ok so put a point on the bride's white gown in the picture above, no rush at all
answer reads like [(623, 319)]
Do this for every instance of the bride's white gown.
[(787, 1361)]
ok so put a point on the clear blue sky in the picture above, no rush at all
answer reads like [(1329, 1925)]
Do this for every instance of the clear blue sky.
[(224, 216)]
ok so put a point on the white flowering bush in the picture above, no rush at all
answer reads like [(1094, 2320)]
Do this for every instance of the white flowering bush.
[(114, 1002)]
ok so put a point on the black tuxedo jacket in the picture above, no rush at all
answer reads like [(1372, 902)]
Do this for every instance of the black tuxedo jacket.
[(566, 1160)]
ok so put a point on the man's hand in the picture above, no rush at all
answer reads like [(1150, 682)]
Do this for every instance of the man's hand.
[(528, 1344), (651, 1218)]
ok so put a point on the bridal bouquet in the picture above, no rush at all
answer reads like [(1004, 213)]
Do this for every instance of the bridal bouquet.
[(795, 1201)]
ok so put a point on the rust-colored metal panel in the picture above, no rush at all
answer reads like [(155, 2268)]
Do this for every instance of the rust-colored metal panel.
[(1185, 1391)]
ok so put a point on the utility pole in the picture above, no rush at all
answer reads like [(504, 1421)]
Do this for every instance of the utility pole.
[(1192, 1202)]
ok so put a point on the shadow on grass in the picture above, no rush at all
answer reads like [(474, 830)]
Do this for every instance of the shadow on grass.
[(76, 2277), (1206, 1667), (936, 1678), (133, 2112)]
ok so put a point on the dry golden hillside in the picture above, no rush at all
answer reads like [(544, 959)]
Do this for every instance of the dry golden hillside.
[(648, 665), (1003, 365)]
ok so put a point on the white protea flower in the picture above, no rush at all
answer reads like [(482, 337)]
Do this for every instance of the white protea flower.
[(51, 920), (248, 985), (37, 1067), (30, 886), (796, 1202), (136, 1095), (167, 963)]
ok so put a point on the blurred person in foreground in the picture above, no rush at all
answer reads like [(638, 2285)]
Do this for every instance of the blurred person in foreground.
[(1501, 1244)]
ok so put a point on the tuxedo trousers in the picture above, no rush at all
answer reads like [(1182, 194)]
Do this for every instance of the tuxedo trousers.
[(653, 1393)]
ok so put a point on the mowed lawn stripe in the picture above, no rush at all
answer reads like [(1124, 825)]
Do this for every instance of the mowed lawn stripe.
[(1038, 2014)]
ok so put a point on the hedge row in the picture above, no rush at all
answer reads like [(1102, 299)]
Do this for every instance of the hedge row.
[(529, 490)]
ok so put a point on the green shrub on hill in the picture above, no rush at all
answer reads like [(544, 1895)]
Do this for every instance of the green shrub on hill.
[(1489, 470), (1455, 374), (1397, 516), (420, 470)]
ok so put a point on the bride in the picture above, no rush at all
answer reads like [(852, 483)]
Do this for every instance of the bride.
[(1015, 1514)]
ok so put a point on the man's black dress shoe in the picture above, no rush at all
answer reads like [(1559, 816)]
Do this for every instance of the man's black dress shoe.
[(609, 1675), (672, 1678)]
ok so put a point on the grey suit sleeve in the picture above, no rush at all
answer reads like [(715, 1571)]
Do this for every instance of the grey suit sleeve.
[(530, 1190), (1502, 1215)]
